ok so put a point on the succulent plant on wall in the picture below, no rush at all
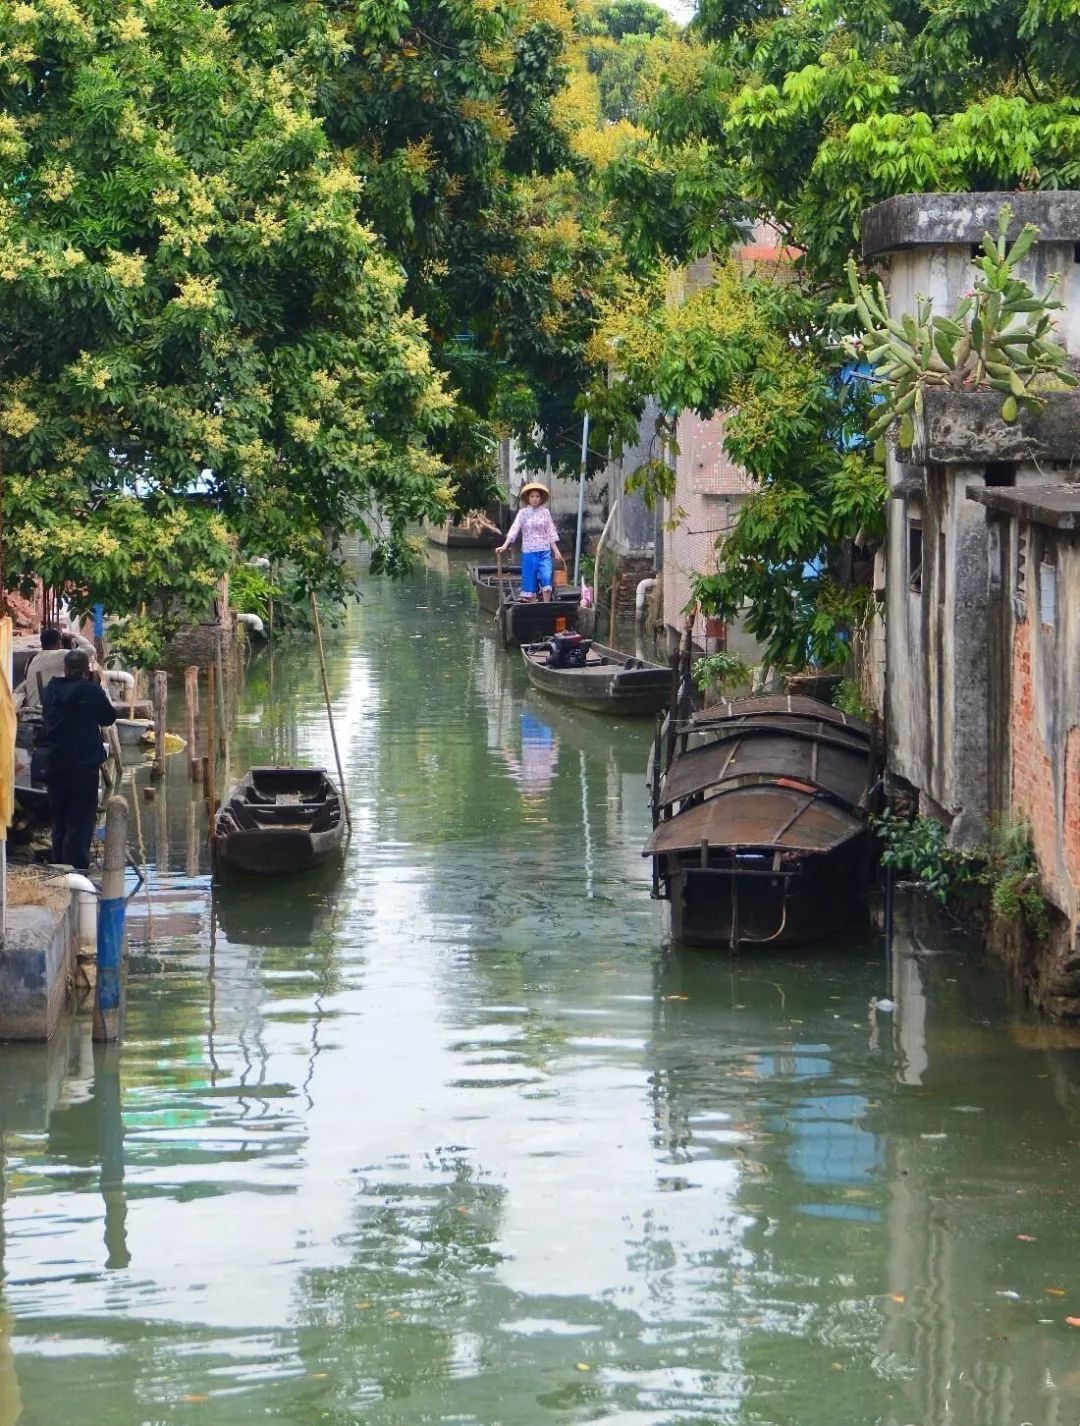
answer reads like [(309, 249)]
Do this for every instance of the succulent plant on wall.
[(1000, 335)]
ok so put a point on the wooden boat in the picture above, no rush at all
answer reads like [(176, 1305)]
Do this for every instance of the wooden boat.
[(135, 732), (465, 536), (525, 621), (280, 819), (607, 682), (493, 586), (760, 822)]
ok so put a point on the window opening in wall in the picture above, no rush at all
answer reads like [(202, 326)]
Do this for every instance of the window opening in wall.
[(1076, 252), (993, 557), (914, 551), (1020, 575), (1000, 473), (1047, 593)]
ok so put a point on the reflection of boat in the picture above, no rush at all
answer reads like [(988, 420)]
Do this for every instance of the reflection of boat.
[(760, 833), (252, 914), (607, 681), (280, 819), (464, 536)]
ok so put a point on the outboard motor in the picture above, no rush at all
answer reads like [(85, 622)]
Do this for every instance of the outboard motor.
[(567, 651)]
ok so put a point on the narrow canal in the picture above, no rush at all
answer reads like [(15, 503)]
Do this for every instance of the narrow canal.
[(451, 1138)]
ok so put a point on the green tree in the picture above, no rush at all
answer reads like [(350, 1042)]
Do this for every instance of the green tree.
[(452, 115), (804, 115), (194, 312)]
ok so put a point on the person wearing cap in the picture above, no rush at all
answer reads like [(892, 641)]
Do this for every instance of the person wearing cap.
[(539, 541)]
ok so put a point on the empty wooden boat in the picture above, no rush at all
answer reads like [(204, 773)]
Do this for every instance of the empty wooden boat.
[(597, 678), (280, 819)]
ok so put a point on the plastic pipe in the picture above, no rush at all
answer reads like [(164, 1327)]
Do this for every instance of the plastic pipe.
[(125, 680), (87, 895), (252, 622), (641, 593)]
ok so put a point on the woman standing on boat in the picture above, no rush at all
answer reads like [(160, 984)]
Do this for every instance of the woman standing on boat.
[(539, 541)]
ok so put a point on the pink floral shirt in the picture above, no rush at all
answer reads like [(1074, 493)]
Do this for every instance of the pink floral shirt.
[(537, 528)]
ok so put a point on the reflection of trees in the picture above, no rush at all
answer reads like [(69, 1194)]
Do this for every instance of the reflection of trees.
[(882, 1269), (397, 1312)]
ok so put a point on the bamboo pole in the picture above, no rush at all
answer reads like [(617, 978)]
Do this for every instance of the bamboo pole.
[(161, 695), (191, 700), (329, 708), (211, 766), (615, 583)]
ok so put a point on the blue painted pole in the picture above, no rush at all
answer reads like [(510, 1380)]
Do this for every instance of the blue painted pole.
[(109, 991)]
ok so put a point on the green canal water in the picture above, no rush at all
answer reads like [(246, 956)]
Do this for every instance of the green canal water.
[(454, 1138)]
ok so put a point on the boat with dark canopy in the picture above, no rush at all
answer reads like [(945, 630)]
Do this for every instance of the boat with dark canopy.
[(597, 678), (760, 821), (280, 819)]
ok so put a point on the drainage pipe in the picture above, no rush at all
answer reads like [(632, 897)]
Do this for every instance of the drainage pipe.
[(641, 593), (86, 895), (252, 622)]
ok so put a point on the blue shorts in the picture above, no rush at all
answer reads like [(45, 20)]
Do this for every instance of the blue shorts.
[(536, 572)]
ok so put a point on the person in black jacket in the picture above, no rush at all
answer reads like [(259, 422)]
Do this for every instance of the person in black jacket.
[(76, 708)]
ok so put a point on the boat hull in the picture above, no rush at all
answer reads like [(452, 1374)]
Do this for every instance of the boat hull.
[(716, 908), (279, 820), (272, 852), (526, 621), (134, 732), (492, 587), (616, 688)]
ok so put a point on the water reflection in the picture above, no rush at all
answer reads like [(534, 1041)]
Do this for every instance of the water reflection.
[(532, 764), (451, 1137)]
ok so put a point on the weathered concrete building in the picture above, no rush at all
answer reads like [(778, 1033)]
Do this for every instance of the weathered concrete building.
[(709, 486), (982, 701)]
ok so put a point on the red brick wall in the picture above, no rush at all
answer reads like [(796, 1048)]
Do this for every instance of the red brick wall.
[(1072, 806), (1055, 824), (1032, 773)]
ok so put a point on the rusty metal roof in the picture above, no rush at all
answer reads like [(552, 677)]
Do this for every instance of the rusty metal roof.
[(789, 704), (765, 817), (843, 769), (793, 726)]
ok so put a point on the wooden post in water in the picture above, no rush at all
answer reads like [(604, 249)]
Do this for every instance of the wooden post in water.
[(161, 694), (211, 765), (615, 585), (191, 702), (330, 709), (108, 992)]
